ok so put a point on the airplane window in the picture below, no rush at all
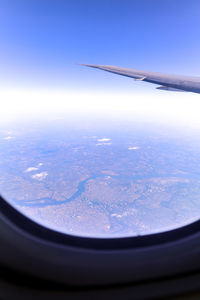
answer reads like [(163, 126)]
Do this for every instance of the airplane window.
[(93, 153), (102, 177)]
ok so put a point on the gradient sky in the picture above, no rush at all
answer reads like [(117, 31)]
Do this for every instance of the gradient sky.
[(42, 40)]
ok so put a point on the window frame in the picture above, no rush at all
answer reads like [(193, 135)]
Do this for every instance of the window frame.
[(44, 255)]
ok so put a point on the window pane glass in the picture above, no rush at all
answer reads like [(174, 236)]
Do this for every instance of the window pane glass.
[(94, 153)]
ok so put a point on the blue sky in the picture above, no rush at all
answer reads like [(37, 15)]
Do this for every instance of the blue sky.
[(42, 40)]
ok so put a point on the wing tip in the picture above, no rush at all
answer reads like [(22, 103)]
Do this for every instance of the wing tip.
[(88, 65)]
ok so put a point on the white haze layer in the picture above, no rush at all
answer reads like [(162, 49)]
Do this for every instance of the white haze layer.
[(167, 107)]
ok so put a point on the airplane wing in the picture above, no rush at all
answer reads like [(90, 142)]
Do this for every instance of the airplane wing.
[(166, 82)]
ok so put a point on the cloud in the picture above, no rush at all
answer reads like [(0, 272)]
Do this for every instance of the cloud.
[(129, 212), (8, 138), (102, 144), (133, 148), (40, 176), (31, 169), (116, 215), (103, 140)]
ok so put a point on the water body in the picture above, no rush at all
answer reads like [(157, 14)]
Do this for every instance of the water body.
[(82, 185)]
